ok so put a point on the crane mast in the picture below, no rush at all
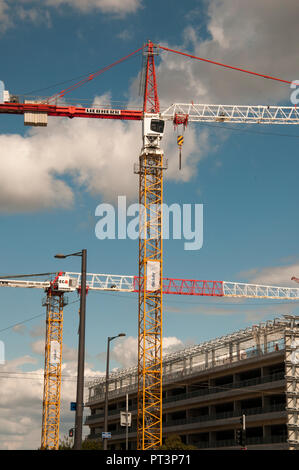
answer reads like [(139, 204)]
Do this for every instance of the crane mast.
[(150, 170), (54, 303)]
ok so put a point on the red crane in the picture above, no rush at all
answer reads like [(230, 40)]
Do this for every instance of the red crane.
[(150, 169)]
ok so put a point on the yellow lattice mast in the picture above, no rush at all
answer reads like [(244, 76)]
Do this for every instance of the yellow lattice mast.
[(52, 375), (150, 169)]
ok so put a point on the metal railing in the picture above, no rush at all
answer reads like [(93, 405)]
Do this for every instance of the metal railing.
[(216, 416), (226, 415), (171, 378), (258, 440), (205, 391), (226, 387)]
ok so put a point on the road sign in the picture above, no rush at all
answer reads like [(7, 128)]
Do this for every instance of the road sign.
[(73, 406), (106, 435), (123, 418)]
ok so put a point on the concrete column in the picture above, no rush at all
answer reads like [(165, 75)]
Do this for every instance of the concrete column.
[(207, 358), (266, 431), (265, 341), (212, 410), (212, 438), (231, 347), (237, 406), (238, 350), (213, 357)]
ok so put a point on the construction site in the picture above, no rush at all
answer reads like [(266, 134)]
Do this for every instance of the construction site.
[(207, 388), (238, 391)]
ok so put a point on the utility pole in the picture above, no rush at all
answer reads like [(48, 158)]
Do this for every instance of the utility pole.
[(127, 421), (110, 338), (81, 358), (81, 349)]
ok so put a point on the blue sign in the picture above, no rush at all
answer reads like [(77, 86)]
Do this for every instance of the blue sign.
[(106, 435), (73, 406)]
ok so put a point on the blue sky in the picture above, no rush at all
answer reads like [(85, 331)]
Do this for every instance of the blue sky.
[(53, 179)]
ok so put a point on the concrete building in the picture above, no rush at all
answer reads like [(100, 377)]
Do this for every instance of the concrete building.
[(208, 387)]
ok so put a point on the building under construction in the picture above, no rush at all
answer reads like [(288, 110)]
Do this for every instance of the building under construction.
[(208, 388)]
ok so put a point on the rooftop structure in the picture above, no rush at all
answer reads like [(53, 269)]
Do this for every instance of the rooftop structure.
[(212, 376)]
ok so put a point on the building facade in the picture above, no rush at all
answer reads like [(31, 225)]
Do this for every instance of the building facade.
[(207, 388)]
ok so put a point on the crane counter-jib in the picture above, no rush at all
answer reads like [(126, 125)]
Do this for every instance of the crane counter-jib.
[(70, 111), (25, 284)]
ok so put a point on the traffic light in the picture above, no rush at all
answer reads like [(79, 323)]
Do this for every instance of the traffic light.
[(241, 433), (71, 432), (241, 437)]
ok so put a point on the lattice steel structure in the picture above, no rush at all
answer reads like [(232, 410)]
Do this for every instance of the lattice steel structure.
[(149, 426), (55, 302), (150, 170), (182, 113), (292, 381)]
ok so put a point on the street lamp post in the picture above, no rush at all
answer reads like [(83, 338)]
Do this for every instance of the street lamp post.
[(110, 338), (81, 350)]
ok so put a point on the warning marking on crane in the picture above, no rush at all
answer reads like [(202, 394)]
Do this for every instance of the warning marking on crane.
[(180, 140)]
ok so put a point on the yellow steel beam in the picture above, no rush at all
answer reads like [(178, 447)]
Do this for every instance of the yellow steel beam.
[(52, 373), (149, 419)]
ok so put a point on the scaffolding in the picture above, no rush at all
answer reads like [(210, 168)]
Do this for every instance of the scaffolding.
[(292, 380), (227, 349), (277, 335)]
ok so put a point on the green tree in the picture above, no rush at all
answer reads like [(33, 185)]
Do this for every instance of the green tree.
[(66, 443), (174, 442), (92, 444), (88, 444)]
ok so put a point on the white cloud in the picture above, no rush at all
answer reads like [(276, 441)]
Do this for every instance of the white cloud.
[(13, 10), (263, 39), (19, 329), (68, 354), (38, 330), (98, 156), (272, 276), (38, 12), (125, 351), (121, 7), (227, 307), (5, 19), (38, 347), (21, 396)]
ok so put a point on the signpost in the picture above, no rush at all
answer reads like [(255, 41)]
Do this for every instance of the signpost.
[(126, 420)]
